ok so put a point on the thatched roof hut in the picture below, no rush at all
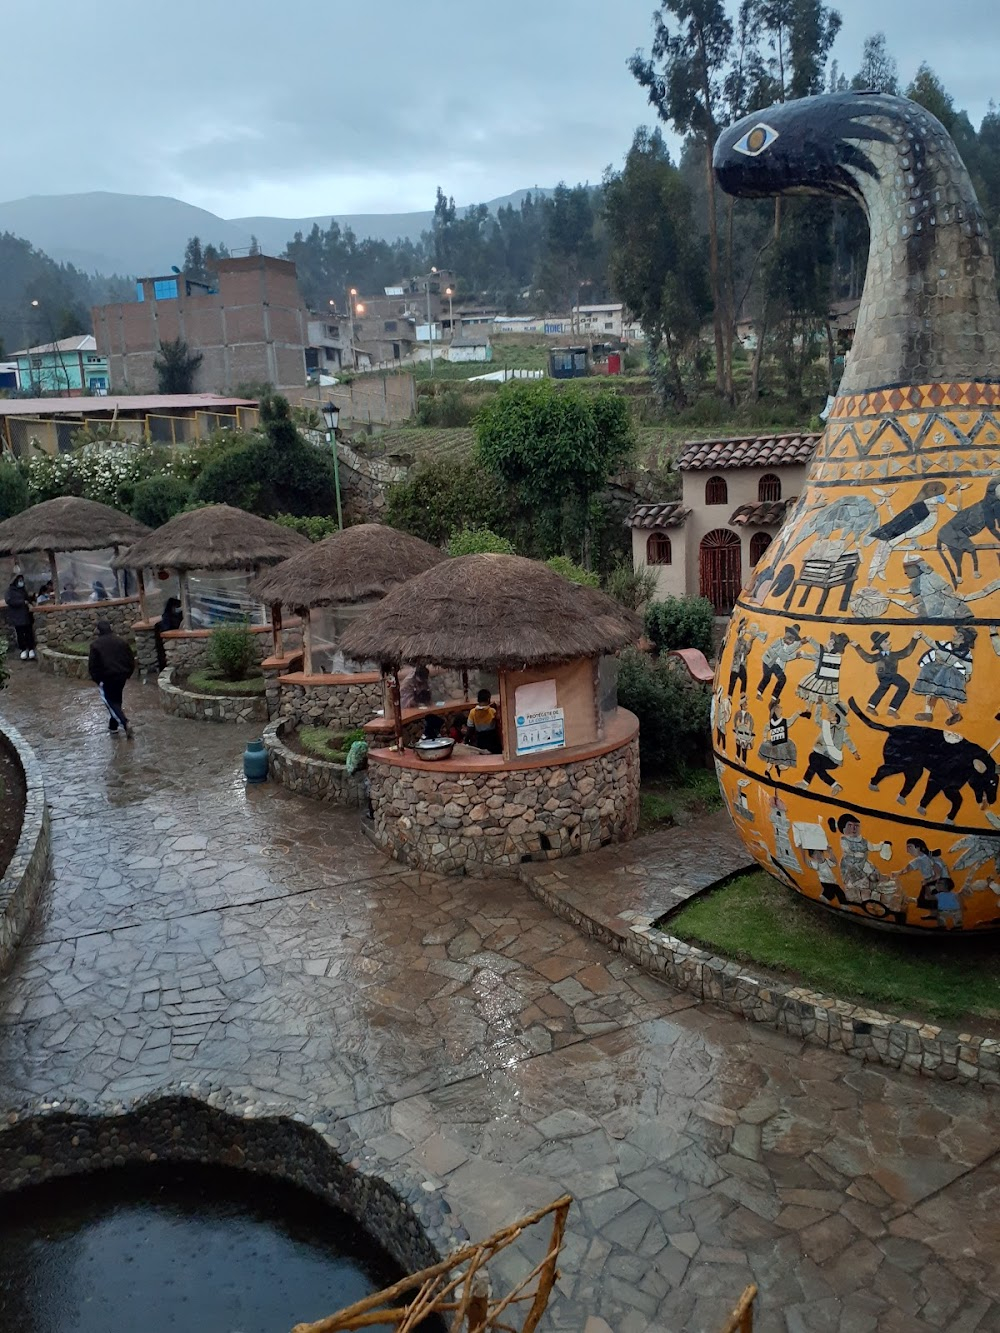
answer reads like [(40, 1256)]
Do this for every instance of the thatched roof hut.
[(358, 564), (500, 611), (215, 537), (68, 523)]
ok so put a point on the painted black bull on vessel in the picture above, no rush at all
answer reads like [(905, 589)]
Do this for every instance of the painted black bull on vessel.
[(950, 761)]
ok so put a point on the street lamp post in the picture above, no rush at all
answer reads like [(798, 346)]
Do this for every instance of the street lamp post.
[(351, 296), (451, 312), (430, 326), (331, 415)]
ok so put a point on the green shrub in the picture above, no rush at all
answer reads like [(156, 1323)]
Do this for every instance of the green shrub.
[(681, 622), (13, 490), (446, 408), (479, 541), (440, 497), (231, 651), (633, 587), (575, 573), (316, 527), (159, 498), (673, 714)]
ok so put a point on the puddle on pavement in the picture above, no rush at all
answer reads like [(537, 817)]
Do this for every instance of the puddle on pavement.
[(169, 1249)]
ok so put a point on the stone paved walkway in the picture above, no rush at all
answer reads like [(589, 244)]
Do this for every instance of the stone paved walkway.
[(198, 930)]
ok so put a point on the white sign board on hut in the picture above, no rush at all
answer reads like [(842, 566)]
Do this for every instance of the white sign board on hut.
[(540, 724)]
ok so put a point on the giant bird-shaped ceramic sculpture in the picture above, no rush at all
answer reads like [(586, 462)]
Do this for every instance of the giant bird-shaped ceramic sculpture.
[(863, 657)]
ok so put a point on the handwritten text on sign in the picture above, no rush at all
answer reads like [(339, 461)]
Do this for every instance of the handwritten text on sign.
[(540, 731)]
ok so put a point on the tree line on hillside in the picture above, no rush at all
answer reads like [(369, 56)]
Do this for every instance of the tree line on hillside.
[(42, 301)]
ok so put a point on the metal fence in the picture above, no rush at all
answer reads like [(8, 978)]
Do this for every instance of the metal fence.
[(25, 437)]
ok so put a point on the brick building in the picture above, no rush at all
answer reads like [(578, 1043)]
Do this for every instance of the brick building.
[(252, 326)]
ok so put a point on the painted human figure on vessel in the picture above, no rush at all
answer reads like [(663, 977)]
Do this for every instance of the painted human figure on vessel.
[(954, 540), (822, 685), (743, 730), (776, 658), (937, 893), (886, 660), (777, 750), (944, 672), (742, 645), (828, 750), (933, 597), (721, 710)]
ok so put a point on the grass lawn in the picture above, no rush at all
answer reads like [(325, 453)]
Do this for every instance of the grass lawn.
[(756, 919), (322, 744), (76, 648), (663, 804), (211, 682)]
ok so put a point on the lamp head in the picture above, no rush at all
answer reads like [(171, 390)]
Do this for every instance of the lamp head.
[(331, 415)]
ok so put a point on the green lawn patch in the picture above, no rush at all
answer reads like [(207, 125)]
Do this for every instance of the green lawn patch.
[(323, 744), (76, 648), (756, 919), (663, 804), (208, 681)]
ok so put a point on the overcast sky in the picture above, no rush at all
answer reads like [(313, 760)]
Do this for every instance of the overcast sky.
[(299, 108)]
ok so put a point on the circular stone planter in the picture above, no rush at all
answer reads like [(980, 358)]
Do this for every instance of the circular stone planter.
[(54, 663), (21, 884), (307, 775), (202, 1124), (209, 707)]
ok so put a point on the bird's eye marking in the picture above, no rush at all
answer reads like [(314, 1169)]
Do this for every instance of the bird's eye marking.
[(756, 140)]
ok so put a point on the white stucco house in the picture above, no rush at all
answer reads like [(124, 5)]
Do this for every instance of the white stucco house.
[(470, 345), (735, 494)]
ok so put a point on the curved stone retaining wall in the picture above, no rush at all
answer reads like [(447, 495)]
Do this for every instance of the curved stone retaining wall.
[(309, 776), (490, 820), (73, 622), (62, 664), (340, 702), (208, 707), (206, 1125), (22, 881)]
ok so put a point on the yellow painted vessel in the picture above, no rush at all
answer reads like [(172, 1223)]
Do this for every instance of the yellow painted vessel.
[(858, 688)]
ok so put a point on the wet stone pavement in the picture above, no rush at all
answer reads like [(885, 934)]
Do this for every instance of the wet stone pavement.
[(195, 930)]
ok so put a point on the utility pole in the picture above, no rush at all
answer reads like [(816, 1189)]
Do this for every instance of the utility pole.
[(430, 326)]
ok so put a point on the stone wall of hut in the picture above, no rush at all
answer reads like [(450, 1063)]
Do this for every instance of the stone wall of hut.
[(58, 623), (341, 703), (488, 822), (187, 650)]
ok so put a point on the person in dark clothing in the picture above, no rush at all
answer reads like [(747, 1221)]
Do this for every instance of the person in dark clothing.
[(20, 618), (111, 663), (171, 619)]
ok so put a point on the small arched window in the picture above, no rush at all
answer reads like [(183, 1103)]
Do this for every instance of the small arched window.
[(658, 550), (716, 491), (769, 488), (759, 543)]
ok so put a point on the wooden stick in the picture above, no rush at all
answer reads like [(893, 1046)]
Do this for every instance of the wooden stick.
[(741, 1319), (307, 644), (276, 628), (498, 1241), (54, 575), (547, 1280), (397, 712), (142, 594)]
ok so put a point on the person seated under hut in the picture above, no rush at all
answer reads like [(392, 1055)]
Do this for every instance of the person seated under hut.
[(456, 729), (484, 724), (415, 691), (433, 727)]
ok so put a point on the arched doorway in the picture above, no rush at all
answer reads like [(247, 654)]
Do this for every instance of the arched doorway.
[(759, 543), (720, 569)]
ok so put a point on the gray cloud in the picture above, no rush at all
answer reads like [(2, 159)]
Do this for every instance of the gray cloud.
[(306, 109)]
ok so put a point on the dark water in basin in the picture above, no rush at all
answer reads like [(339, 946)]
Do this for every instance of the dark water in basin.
[(170, 1249)]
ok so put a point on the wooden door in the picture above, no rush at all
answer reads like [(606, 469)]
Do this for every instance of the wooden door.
[(720, 569)]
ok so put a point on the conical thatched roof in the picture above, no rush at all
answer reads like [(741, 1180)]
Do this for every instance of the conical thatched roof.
[(490, 611), (68, 524), (350, 566), (216, 537)]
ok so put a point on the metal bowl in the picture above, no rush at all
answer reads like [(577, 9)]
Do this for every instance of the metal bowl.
[(435, 750)]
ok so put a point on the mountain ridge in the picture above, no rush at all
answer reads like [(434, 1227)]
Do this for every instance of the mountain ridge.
[(101, 231)]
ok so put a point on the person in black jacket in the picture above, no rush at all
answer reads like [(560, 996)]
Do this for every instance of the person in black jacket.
[(171, 619), (111, 663), (20, 618)]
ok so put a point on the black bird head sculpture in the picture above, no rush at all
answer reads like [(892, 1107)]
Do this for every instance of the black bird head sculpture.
[(929, 310)]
